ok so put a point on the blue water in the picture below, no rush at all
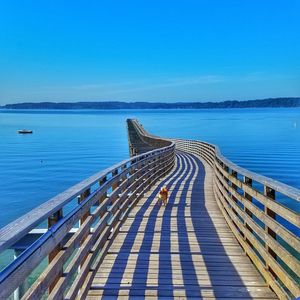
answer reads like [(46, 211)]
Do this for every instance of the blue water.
[(68, 146)]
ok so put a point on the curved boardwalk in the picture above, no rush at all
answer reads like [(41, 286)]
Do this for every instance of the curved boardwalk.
[(185, 250)]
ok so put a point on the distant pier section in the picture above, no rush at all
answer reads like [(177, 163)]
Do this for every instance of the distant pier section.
[(223, 234)]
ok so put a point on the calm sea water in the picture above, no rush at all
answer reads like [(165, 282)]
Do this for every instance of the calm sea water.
[(68, 146)]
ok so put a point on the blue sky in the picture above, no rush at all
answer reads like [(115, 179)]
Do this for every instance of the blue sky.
[(169, 51)]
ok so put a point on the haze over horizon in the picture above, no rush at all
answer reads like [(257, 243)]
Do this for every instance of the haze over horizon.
[(169, 51)]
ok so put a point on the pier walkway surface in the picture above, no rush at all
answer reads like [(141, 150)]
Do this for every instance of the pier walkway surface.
[(183, 250)]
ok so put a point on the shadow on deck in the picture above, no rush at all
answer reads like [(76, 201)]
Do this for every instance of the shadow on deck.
[(184, 250)]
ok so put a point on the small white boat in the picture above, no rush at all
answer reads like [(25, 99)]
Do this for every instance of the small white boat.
[(24, 131)]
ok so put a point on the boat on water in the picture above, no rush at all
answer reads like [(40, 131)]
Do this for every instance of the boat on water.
[(24, 131)]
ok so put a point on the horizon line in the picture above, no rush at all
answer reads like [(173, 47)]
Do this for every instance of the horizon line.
[(150, 102)]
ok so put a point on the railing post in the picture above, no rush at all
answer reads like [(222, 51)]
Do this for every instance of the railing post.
[(164, 165), (20, 291), (142, 166), (270, 193), (51, 221), (82, 196), (200, 150), (101, 182), (115, 184), (234, 186), (124, 176), (157, 164), (248, 181), (148, 170), (131, 151), (132, 170), (226, 168)]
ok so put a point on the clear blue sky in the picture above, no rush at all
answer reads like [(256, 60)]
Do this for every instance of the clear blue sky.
[(68, 50)]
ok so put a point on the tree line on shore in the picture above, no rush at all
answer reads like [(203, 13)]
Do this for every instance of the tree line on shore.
[(271, 102)]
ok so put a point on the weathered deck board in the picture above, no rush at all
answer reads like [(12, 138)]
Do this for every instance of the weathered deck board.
[(184, 250)]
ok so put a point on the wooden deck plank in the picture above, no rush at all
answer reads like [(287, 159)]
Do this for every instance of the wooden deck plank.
[(184, 250), (199, 293), (217, 272)]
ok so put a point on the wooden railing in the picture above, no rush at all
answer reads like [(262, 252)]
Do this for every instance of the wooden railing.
[(267, 230), (140, 140), (81, 224)]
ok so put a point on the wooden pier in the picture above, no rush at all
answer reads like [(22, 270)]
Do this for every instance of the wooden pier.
[(222, 234)]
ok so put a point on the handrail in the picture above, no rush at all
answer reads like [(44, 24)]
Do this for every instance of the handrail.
[(278, 186), (97, 206), (248, 203), (33, 218)]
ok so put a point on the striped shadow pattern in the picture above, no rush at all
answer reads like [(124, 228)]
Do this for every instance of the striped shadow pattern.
[(183, 250)]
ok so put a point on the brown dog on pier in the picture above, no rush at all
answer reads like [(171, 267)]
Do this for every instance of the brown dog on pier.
[(163, 196)]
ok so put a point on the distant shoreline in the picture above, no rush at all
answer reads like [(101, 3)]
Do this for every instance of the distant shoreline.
[(116, 105)]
